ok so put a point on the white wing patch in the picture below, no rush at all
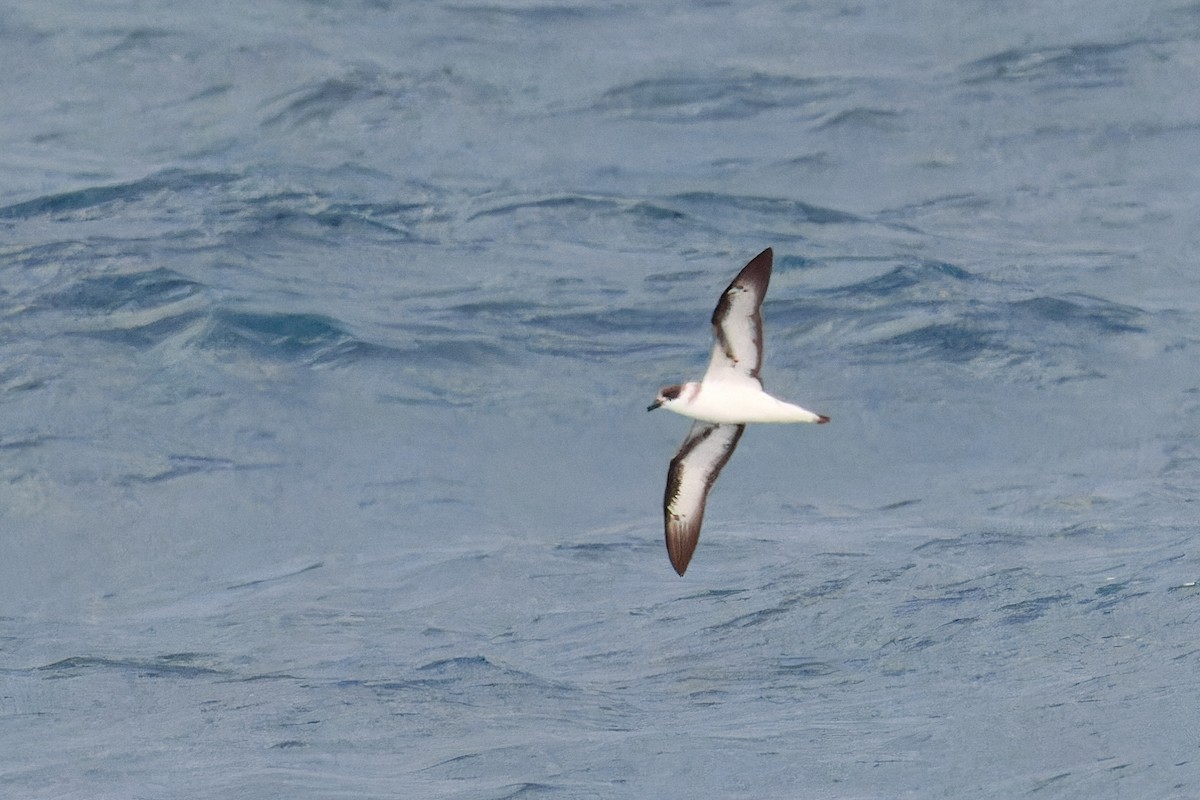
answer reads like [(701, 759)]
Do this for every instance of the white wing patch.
[(737, 324), (693, 471)]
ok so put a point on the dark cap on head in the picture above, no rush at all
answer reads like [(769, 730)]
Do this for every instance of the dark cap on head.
[(665, 393)]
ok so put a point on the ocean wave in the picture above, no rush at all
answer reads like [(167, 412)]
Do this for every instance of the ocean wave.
[(303, 338), (538, 12), (920, 277), (1080, 66), (1082, 311), (1051, 336), (268, 218), (150, 307), (84, 202), (130, 307), (580, 218), (599, 220), (372, 95), (125, 292), (923, 310), (864, 118), (763, 210), (727, 94), (175, 665), (197, 210)]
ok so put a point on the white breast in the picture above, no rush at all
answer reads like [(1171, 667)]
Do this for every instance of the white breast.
[(739, 402)]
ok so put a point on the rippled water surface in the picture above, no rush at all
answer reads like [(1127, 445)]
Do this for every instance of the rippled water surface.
[(326, 331)]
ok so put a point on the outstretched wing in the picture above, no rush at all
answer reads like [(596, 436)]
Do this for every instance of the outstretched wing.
[(737, 323), (693, 471)]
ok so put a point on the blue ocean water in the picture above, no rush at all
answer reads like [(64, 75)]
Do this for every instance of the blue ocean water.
[(326, 333)]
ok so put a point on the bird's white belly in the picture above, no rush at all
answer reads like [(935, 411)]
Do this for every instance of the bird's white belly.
[(737, 403)]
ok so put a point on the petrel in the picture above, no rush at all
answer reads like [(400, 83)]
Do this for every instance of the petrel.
[(728, 397)]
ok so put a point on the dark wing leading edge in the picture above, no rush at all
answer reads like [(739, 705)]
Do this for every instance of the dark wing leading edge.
[(693, 471), (737, 323)]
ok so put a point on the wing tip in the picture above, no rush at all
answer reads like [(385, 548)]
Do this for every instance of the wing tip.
[(680, 557), (682, 538), (761, 263)]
